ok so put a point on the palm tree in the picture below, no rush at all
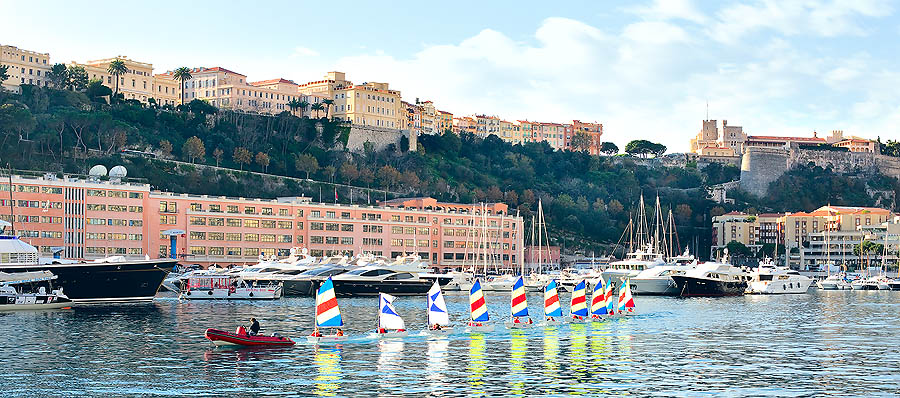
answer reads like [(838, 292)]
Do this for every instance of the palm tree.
[(303, 105), (317, 107), (293, 105), (183, 73), (327, 103), (117, 68)]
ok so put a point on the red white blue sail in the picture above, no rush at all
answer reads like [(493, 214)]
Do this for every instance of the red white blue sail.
[(477, 304), (327, 312), (519, 305), (610, 304), (387, 315), (598, 299), (579, 303), (437, 308), (551, 300), (626, 301)]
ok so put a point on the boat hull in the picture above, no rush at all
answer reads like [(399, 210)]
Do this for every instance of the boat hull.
[(480, 329), (439, 332), (348, 288), (653, 287), (300, 287), (392, 335), (779, 287), (223, 338), (250, 293), (701, 287), (326, 339), (520, 325), (104, 282)]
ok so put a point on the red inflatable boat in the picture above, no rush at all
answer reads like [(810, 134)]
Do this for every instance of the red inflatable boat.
[(221, 337)]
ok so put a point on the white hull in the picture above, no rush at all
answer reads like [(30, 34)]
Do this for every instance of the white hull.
[(480, 329), (326, 339), (513, 325), (390, 335), (779, 287), (440, 332), (660, 286), (34, 306), (552, 323), (249, 293)]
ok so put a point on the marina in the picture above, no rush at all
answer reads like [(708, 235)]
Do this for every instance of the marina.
[(670, 346)]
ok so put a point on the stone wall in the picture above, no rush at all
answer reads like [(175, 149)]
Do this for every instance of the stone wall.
[(761, 166), (379, 137)]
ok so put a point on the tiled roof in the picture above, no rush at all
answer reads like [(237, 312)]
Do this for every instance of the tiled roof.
[(272, 81), (776, 138)]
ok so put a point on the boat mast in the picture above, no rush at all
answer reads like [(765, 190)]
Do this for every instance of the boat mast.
[(531, 263), (12, 213), (540, 246), (657, 215)]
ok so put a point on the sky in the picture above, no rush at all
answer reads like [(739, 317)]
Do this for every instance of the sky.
[(645, 69)]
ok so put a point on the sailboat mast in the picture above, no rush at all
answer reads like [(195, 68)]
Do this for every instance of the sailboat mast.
[(540, 246)]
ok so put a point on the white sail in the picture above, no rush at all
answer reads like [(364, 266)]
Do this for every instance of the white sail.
[(437, 308), (387, 315)]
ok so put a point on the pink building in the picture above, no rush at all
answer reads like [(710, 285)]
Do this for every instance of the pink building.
[(95, 219)]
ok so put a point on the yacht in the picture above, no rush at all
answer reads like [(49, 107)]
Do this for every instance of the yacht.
[(13, 298), (835, 282), (372, 280), (878, 282), (229, 287), (769, 279), (634, 263), (712, 279), (307, 282), (658, 280), (106, 280)]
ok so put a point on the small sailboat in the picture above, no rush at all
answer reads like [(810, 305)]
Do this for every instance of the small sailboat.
[(328, 315), (519, 307), (438, 319), (598, 301), (578, 306), (389, 322), (552, 310), (626, 301), (478, 309), (609, 302)]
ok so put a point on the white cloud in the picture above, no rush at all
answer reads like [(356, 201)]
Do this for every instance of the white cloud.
[(300, 51), (655, 33), (670, 9)]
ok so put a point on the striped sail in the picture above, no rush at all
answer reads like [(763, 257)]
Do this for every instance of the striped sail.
[(626, 301), (598, 299), (610, 305), (477, 303), (437, 308), (551, 300), (519, 302), (579, 305), (387, 315), (327, 312)]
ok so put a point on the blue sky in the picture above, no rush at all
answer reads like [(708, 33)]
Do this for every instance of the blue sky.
[(643, 69)]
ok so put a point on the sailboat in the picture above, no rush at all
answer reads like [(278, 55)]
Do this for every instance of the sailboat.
[(478, 309), (438, 319), (389, 322), (598, 301), (626, 301), (608, 300), (519, 306), (552, 310), (328, 315), (578, 306)]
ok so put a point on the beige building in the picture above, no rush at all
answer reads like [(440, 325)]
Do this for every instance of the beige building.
[(24, 67), (137, 83), (226, 89), (708, 142), (487, 125), (445, 121), (465, 124), (368, 104)]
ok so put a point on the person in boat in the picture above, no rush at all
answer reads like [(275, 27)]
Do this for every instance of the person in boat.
[(516, 320), (550, 319), (254, 327), (339, 332), (530, 321), (436, 327), (382, 330), (316, 332)]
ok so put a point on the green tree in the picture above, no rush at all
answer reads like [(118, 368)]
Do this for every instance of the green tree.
[(193, 148), (644, 148), (166, 148), (58, 76), (306, 164), (609, 148), (76, 78), (242, 156), (117, 68), (302, 105), (349, 172), (262, 159), (217, 155), (15, 119), (293, 105), (96, 90), (4, 74), (317, 107), (329, 171), (738, 249), (182, 74), (327, 103), (581, 141)]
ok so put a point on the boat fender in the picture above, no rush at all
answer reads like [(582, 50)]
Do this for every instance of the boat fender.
[(251, 294), (210, 292), (189, 293)]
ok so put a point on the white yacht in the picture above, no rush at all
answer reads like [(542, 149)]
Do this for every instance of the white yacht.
[(634, 263), (658, 280), (712, 279), (769, 279), (835, 282), (878, 282)]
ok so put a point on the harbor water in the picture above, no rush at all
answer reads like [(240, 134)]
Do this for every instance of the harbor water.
[(837, 343)]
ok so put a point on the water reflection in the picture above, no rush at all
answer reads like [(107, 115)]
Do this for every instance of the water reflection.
[(551, 353), (578, 356), (477, 364), (436, 367), (327, 361), (518, 351)]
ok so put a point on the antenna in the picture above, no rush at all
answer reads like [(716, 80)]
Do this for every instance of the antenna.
[(707, 110)]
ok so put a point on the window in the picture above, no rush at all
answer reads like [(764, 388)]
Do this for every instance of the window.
[(395, 218), (232, 209), (268, 238), (284, 238), (251, 223), (234, 222), (316, 239), (100, 192), (216, 251), (396, 242), (329, 214), (196, 207), (345, 215), (284, 212), (95, 207), (331, 240), (195, 235), (233, 251), (313, 213), (233, 237), (215, 209), (347, 227), (251, 237), (316, 226), (216, 222), (331, 227), (284, 225), (249, 210), (96, 221), (215, 236), (167, 207), (168, 220), (197, 220), (267, 223), (346, 240)]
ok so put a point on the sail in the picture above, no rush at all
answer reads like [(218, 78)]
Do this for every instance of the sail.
[(551, 300), (579, 305), (477, 303), (598, 299), (610, 305), (626, 301), (437, 308), (519, 305), (387, 315), (327, 312)]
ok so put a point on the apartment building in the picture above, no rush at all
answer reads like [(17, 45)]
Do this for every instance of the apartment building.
[(24, 67), (367, 104), (91, 219), (137, 83), (444, 121), (487, 125), (226, 89), (464, 124), (593, 130)]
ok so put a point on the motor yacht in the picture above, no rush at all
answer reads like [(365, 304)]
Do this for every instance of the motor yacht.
[(12, 297), (634, 263), (712, 279), (657, 281), (307, 282), (372, 280), (769, 279), (878, 282), (229, 287), (837, 281)]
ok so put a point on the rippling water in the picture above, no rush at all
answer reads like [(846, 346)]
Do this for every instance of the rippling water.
[(824, 343)]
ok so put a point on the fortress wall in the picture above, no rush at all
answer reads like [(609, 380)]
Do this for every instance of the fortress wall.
[(760, 167), (379, 137)]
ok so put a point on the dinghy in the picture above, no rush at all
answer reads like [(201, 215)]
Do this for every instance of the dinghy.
[(389, 323), (519, 307), (626, 301), (241, 338), (478, 308), (552, 310), (610, 303), (438, 319), (328, 315), (578, 306), (598, 302)]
